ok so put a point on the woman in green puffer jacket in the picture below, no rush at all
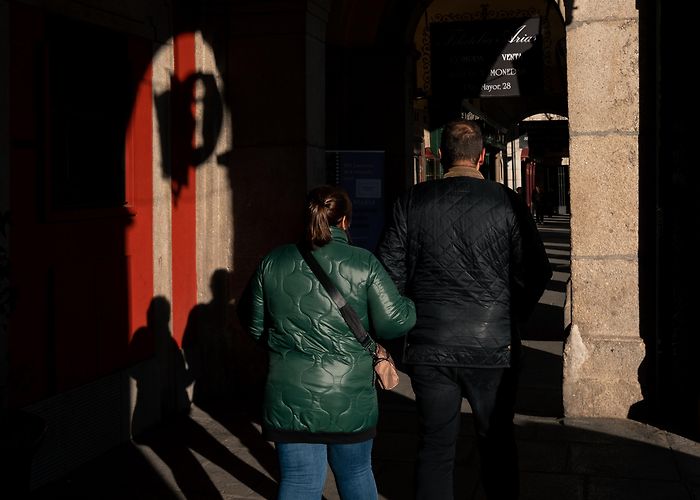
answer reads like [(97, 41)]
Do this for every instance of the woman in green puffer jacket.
[(320, 402)]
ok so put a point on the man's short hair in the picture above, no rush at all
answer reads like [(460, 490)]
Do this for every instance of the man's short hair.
[(461, 141)]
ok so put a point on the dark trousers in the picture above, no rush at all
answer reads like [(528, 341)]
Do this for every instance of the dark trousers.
[(491, 394), (538, 209)]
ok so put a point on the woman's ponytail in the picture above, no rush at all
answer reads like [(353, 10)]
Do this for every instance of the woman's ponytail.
[(325, 207)]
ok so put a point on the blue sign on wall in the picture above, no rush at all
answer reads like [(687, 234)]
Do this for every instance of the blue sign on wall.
[(361, 174)]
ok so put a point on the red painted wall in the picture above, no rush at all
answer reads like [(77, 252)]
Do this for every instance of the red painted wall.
[(139, 190)]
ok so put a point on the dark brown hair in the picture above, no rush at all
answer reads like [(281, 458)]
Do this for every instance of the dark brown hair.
[(325, 207), (461, 141)]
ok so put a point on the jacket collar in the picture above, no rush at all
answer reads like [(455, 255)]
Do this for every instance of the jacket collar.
[(464, 171), (338, 234)]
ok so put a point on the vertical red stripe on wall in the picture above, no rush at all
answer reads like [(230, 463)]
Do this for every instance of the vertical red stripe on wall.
[(184, 266), (139, 190)]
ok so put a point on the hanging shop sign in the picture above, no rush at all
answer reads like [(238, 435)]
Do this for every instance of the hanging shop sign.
[(500, 58)]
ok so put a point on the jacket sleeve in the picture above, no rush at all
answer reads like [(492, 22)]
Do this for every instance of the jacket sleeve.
[(391, 313), (392, 247), (530, 268), (251, 306)]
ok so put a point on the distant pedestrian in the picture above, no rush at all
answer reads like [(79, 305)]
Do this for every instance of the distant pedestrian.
[(538, 204)]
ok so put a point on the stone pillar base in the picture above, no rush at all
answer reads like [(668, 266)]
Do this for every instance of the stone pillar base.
[(600, 375)]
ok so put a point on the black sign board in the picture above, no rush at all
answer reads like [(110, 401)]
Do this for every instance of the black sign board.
[(500, 58)]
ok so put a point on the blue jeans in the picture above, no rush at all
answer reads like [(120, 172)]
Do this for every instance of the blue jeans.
[(303, 468)]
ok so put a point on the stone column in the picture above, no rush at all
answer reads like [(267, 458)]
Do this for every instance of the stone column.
[(275, 91), (603, 351)]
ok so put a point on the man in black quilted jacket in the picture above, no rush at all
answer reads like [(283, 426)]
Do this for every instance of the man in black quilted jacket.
[(467, 252)]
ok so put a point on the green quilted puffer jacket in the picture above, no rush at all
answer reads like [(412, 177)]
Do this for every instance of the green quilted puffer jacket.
[(320, 380)]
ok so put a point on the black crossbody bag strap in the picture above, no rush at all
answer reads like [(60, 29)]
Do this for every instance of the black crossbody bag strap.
[(346, 310)]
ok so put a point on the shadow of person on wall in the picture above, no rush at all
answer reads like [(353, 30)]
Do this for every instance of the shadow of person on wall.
[(223, 364), (208, 346), (158, 369), (226, 365), (162, 379)]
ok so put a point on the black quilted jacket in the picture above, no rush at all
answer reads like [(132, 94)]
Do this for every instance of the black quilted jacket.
[(468, 253)]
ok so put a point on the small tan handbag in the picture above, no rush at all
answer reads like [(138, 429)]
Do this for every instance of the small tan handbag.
[(384, 367)]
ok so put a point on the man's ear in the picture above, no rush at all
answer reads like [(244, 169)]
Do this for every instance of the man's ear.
[(482, 156)]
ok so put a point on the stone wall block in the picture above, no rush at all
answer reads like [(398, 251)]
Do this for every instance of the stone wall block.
[(600, 375), (606, 358), (591, 397), (605, 296), (603, 77), (604, 195)]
